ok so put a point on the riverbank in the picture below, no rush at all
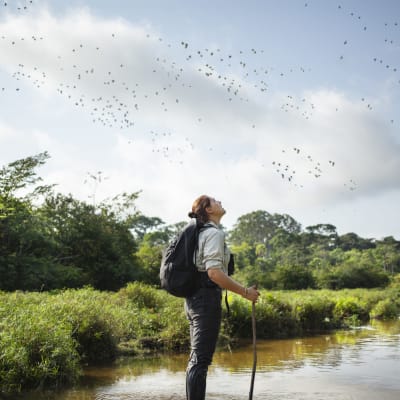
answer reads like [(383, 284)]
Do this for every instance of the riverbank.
[(46, 338)]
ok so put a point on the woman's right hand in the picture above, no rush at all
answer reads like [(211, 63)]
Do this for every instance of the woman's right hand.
[(252, 294)]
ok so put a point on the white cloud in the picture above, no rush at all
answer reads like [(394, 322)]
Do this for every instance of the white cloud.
[(188, 138)]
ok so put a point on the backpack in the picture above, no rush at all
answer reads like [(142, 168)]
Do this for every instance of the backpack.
[(178, 273)]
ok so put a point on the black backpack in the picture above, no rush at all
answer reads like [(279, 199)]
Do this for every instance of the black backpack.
[(178, 273)]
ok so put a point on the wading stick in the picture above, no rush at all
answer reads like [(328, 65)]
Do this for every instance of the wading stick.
[(253, 372)]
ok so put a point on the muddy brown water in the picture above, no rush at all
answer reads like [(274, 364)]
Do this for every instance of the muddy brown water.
[(359, 364)]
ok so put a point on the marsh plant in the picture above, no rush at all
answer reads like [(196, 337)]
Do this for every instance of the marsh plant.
[(46, 338)]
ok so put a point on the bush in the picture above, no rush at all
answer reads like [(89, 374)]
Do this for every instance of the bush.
[(385, 309), (142, 295), (395, 281), (37, 350), (351, 311), (94, 322), (273, 315), (314, 313), (294, 278), (349, 276), (46, 337), (174, 334)]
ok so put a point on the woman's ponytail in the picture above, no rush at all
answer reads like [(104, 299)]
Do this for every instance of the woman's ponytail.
[(199, 209)]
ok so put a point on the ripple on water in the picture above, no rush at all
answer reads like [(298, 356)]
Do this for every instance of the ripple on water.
[(137, 396), (219, 396), (349, 365)]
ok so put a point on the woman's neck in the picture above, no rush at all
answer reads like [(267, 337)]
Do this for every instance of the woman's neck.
[(215, 219)]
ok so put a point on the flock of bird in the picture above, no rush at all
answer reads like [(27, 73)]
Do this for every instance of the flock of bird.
[(313, 168), (18, 6), (118, 103)]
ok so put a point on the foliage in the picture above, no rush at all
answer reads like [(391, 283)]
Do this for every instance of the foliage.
[(20, 174), (351, 309), (36, 349), (63, 242), (150, 254), (395, 281), (45, 338), (260, 226), (97, 243), (142, 295), (141, 224), (385, 309), (294, 277), (314, 312)]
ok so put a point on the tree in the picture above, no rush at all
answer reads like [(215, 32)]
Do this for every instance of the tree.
[(99, 243), (21, 174), (252, 228), (245, 255), (323, 234), (141, 224), (351, 240), (24, 242), (358, 269), (260, 226), (294, 277), (63, 242), (388, 255), (286, 223), (150, 254)]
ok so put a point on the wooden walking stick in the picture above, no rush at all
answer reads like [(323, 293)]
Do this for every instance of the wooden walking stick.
[(253, 372)]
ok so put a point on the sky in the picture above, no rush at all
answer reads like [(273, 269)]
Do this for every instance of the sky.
[(286, 106)]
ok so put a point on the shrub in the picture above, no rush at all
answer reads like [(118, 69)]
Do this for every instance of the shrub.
[(142, 295), (94, 324), (385, 309), (174, 334), (294, 277), (273, 316), (160, 321), (46, 337), (395, 281), (349, 276), (37, 350), (314, 313), (350, 311)]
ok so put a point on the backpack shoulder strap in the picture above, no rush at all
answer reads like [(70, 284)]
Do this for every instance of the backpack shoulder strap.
[(206, 226)]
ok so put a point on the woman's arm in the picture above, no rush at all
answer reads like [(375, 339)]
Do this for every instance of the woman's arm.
[(218, 276)]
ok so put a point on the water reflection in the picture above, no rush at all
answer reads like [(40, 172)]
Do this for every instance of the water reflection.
[(358, 364)]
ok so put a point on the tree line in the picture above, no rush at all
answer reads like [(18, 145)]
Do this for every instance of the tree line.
[(50, 240)]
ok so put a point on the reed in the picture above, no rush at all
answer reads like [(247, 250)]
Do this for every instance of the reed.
[(46, 338)]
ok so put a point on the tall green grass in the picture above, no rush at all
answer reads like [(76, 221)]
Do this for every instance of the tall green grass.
[(46, 338)]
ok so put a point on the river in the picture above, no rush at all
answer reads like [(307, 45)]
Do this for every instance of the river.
[(359, 364)]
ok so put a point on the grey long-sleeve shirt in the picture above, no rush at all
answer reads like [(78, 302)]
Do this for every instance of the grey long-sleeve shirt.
[(212, 252)]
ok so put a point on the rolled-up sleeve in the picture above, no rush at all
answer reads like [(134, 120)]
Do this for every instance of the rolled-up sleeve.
[(213, 252)]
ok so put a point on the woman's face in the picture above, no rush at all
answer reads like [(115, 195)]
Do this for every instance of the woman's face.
[(215, 208)]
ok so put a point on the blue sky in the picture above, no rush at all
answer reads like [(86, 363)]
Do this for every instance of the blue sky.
[(289, 106)]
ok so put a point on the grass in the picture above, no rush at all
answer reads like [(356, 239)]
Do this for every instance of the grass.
[(46, 338)]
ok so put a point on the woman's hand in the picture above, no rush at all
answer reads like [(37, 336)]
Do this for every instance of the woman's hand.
[(251, 294), (226, 282)]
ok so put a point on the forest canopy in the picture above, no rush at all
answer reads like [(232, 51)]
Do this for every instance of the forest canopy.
[(50, 240)]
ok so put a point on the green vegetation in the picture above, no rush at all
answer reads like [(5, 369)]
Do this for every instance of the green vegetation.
[(53, 241), (273, 250), (46, 338), (79, 281)]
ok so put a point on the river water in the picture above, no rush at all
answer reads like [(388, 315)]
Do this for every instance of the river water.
[(359, 364)]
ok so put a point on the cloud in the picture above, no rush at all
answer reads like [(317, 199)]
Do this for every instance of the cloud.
[(116, 97)]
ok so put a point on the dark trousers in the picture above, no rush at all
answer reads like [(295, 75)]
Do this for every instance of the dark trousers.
[(203, 311)]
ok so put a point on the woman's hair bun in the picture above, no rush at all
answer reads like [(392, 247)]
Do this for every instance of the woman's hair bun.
[(191, 214)]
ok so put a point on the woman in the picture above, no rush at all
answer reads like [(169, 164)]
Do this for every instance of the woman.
[(203, 309)]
